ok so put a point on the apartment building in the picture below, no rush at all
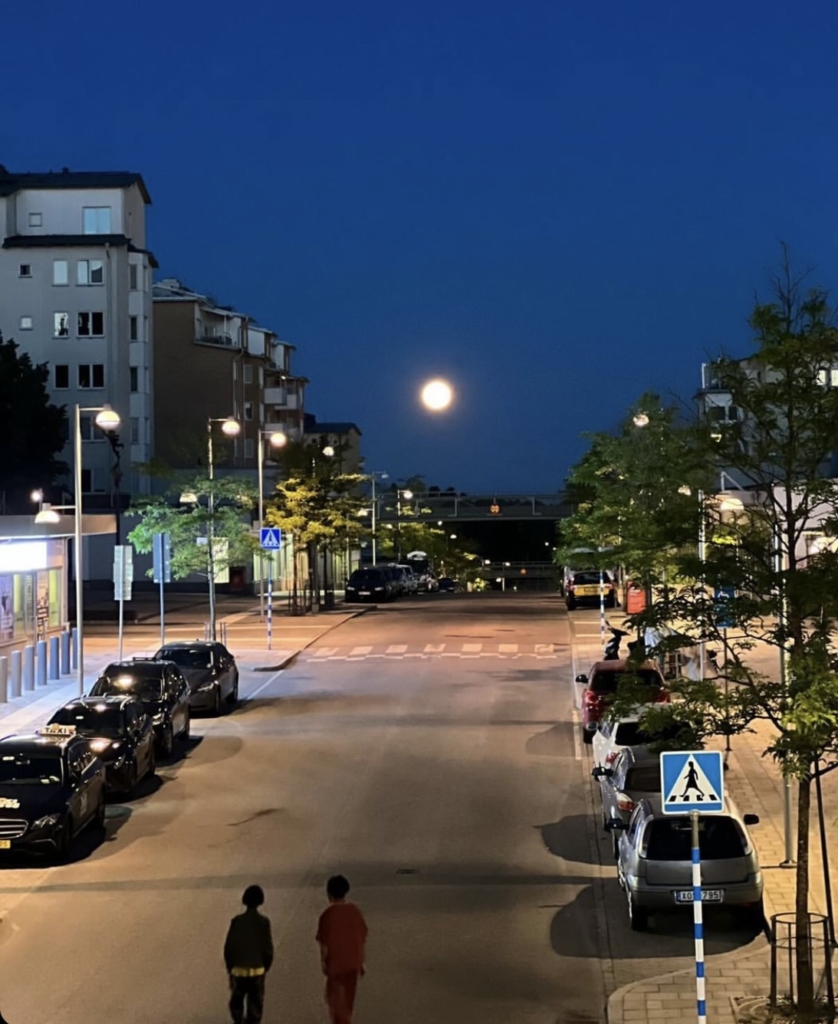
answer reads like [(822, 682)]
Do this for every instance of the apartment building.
[(211, 361), (75, 292), (343, 437)]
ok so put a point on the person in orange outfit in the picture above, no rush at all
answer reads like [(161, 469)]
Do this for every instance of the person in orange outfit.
[(342, 934)]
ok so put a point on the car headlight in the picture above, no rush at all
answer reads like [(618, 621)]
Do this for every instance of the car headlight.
[(100, 745), (48, 821), (206, 687), (379, 588), (159, 718)]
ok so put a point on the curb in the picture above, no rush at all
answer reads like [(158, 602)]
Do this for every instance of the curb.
[(292, 657)]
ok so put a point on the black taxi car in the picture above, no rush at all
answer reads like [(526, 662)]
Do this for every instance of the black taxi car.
[(52, 786), (118, 731), (162, 689)]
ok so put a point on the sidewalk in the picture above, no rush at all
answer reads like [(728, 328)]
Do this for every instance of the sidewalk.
[(33, 708), (756, 786)]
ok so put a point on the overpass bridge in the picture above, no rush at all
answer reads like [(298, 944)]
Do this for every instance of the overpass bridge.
[(433, 506)]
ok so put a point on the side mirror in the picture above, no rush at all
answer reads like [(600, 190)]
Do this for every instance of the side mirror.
[(615, 825), (582, 679), (751, 819), (601, 772)]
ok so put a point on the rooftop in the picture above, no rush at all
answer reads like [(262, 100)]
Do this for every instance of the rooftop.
[(65, 178)]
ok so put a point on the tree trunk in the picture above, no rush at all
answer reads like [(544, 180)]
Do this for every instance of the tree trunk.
[(803, 938)]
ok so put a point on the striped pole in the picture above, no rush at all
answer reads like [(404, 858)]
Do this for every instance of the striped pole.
[(269, 619), (602, 609), (698, 924)]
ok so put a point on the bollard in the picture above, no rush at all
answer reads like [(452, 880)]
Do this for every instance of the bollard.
[(65, 653), (4, 680), (41, 663), (54, 667), (28, 668), (75, 635), (15, 672)]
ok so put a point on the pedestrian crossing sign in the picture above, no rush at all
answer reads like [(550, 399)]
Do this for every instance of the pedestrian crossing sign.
[(692, 780), (270, 538)]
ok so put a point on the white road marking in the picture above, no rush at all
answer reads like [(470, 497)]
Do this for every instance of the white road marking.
[(322, 653), (508, 648), (434, 648), (472, 648), (577, 735), (543, 648), (396, 649), (357, 652), (264, 685)]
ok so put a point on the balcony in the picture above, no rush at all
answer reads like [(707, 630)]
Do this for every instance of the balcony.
[(218, 340), (282, 397)]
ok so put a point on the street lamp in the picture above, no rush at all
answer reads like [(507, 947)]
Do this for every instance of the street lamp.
[(230, 427), (106, 419), (276, 439), (372, 477), (407, 495)]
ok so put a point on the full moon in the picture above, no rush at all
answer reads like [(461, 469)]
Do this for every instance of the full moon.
[(437, 395)]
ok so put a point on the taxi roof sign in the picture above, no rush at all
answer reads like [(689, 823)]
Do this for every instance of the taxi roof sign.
[(57, 730)]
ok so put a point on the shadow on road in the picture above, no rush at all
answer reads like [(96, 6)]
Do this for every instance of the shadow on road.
[(556, 741), (568, 839)]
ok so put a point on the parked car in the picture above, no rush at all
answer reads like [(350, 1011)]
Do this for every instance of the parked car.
[(601, 688), (584, 587), (395, 578), (369, 585), (52, 786), (161, 688), (611, 735), (634, 775), (210, 671), (411, 581), (654, 862), (431, 585), (119, 733), (447, 585)]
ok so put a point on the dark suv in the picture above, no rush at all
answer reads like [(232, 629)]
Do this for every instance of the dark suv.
[(369, 585)]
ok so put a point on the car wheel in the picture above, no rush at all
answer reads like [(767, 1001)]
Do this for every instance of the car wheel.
[(615, 846), (216, 703), (754, 917), (167, 741), (571, 606), (187, 729), (588, 737), (65, 842), (233, 699), (610, 601), (638, 917)]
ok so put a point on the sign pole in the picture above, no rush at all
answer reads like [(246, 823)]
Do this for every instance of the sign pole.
[(269, 619), (162, 612), (601, 609), (698, 923), (121, 619)]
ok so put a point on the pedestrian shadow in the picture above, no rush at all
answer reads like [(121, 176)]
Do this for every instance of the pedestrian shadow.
[(557, 741), (568, 839), (670, 934)]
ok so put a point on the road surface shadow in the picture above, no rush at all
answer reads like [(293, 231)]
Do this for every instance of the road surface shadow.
[(181, 751), (568, 839), (556, 741)]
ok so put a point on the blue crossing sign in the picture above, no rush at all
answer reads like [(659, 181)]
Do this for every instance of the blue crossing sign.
[(720, 596), (692, 780), (270, 538)]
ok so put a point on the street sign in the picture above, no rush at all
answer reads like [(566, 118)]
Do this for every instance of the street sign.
[(270, 538), (720, 596), (123, 572), (162, 555), (692, 780)]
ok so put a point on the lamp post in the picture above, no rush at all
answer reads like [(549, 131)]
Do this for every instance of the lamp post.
[(230, 427), (373, 477), (276, 439), (106, 419), (407, 495)]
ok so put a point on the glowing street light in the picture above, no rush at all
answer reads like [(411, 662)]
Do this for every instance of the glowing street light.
[(437, 395)]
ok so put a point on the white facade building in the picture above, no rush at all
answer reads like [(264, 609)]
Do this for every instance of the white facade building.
[(75, 292)]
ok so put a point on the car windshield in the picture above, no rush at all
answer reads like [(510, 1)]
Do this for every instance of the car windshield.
[(671, 839), (93, 720), (587, 578), (144, 685), (607, 682), (30, 769), (365, 576), (186, 657), (644, 780)]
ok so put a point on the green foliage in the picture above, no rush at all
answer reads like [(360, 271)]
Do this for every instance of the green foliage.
[(189, 525), (33, 429)]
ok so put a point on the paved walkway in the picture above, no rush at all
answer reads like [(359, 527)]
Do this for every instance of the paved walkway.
[(756, 785)]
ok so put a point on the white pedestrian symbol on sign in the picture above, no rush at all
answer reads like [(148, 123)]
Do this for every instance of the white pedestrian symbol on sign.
[(692, 784), (270, 538)]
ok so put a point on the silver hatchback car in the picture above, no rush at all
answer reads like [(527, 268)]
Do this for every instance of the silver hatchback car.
[(654, 862)]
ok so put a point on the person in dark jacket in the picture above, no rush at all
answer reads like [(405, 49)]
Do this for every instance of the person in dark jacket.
[(248, 954)]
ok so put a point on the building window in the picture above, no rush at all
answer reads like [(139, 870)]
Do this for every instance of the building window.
[(60, 272), (96, 220), (89, 430), (91, 376), (92, 481), (134, 378), (132, 276), (248, 447), (36, 220), (90, 272), (24, 270), (91, 325), (248, 373), (61, 325), (135, 430), (248, 410), (62, 376), (26, 323), (132, 324)]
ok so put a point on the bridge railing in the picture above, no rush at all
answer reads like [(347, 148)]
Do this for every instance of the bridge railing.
[(431, 506)]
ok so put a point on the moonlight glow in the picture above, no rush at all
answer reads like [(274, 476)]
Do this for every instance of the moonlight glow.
[(437, 395)]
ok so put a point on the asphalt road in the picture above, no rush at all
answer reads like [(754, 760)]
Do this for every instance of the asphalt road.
[(428, 752)]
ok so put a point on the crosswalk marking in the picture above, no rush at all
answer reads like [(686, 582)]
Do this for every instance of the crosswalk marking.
[(543, 648), (470, 651), (396, 649), (434, 648), (472, 648), (508, 648), (325, 652), (359, 652)]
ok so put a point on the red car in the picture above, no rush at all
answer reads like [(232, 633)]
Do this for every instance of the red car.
[(601, 686)]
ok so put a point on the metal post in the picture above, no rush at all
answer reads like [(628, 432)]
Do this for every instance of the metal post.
[(54, 654), (374, 514), (698, 922), (15, 672), (270, 598), (260, 471), (121, 614), (28, 667), (211, 531), (702, 646), (41, 663), (788, 835), (827, 881), (727, 693), (162, 609), (79, 558), (601, 608), (66, 641), (4, 680)]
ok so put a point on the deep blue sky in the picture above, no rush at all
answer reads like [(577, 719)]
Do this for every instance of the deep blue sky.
[(555, 204)]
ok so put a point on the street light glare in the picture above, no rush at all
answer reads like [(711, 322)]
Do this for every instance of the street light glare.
[(437, 395), (278, 439), (107, 419), (328, 451), (230, 427), (641, 419)]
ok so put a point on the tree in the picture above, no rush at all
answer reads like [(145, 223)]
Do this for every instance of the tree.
[(190, 525), (33, 429), (781, 448)]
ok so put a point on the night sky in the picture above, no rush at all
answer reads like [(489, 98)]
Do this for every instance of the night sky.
[(554, 204)]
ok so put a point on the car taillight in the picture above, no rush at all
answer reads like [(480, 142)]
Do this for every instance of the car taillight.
[(612, 757), (663, 697), (624, 804), (590, 697)]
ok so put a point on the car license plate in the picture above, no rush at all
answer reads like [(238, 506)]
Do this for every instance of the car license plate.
[(707, 895), (587, 591), (364, 593), (5, 844)]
